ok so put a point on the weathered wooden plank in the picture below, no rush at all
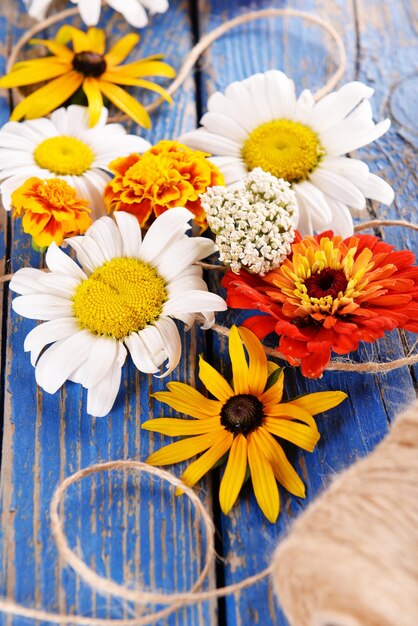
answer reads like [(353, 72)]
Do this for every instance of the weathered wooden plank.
[(354, 428), (128, 530)]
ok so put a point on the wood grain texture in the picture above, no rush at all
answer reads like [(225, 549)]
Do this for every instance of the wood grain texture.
[(128, 529), (124, 528), (354, 428)]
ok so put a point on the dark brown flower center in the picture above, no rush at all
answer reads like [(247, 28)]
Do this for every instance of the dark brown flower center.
[(242, 414), (329, 282), (89, 63)]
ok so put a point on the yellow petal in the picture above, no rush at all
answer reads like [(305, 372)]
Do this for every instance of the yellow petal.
[(121, 79), (263, 480), (214, 382), (176, 427), (301, 435), (68, 33), (275, 393), (97, 39), (145, 67), (287, 410), (121, 49), (181, 450), (203, 464), (257, 368), (34, 72), (126, 103), (48, 98), (238, 361), (55, 47), (94, 98), (234, 475), (320, 401), (189, 401), (283, 470)]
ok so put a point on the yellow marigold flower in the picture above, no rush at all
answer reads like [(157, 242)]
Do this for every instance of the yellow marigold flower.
[(166, 176), (244, 421), (87, 66), (51, 210)]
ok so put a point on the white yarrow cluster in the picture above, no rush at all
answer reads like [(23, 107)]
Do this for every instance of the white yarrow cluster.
[(254, 224)]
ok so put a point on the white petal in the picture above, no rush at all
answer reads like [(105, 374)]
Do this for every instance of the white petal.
[(353, 169), (38, 9), (217, 145), (26, 281), (193, 302), (280, 94), (315, 202), (334, 107), (89, 255), (139, 353), (172, 343), (131, 10), (58, 261), (78, 120), (342, 221), (18, 158), (43, 127), (351, 134), (105, 232), (62, 286), (376, 188), (338, 187), (233, 169), (221, 124), (304, 106), (100, 359), (187, 318), (89, 11), (58, 362), (42, 306), (95, 182), (304, 225), (21, 129), (130, 232), (46, 333), (12, 142), (101, 398), (59, 118), (185, 283), (183, 253), (166, 229)]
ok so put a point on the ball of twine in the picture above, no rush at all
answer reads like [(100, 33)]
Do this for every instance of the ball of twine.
[(352, 558)]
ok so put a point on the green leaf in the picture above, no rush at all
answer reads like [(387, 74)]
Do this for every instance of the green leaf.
[(273, 378)]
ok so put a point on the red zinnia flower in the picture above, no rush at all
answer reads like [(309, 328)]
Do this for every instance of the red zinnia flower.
[(330, 294)]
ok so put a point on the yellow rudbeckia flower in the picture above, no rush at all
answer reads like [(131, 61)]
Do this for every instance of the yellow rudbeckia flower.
[(86, 65), (245, 420)]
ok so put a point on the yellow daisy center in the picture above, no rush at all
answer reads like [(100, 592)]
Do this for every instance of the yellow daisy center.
[(64, 155), (120, 297), (284, 148), (242, 414)]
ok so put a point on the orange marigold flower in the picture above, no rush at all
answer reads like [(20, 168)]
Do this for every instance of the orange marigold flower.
[(329, 295), (166, 176), (51, 210)]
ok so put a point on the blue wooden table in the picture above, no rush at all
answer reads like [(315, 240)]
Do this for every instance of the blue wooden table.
[(132, 530)]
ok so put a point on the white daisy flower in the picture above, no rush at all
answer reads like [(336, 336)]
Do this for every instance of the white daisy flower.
[(258, 122), (64, 146), (134, 11), (124, 296)]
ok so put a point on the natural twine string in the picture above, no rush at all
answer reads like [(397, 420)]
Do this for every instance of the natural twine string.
[(202, 45), (108, 587)]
